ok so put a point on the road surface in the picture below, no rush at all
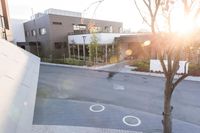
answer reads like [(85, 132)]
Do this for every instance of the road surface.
[(65, 95)]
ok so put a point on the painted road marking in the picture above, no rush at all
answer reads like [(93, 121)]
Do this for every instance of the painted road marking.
[(118, 87), (130, 120), (97, 108)]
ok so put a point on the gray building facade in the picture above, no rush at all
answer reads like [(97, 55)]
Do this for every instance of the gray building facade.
[(47, 33)]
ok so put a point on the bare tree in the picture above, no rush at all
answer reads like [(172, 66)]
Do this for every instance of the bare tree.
[(169, 46)]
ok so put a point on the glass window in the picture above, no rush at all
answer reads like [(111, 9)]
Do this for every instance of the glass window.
[(110, 29), (75, 27), (120, 30), (59, 45), (42, 31), (79, 27), (27, 33), (33, 32), (106, 28)]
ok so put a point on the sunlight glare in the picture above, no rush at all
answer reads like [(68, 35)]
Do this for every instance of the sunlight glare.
[(181, 23), (146, 43)]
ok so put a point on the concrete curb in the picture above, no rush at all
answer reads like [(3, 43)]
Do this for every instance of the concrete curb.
[(189, 78), (63, 65), (83, 67)]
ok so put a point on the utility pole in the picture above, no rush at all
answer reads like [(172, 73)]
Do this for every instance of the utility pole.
[(106, 53)]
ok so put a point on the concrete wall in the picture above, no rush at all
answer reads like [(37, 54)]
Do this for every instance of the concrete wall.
[(156, 66), (41, 22), (19, 71), (18, 30)]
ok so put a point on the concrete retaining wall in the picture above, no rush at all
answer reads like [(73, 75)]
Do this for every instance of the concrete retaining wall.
[(19, 71), (155, 66)]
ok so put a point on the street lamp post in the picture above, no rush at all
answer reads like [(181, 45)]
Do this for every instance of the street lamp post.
[(84, 37)]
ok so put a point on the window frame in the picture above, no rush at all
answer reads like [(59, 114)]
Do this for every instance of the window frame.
[(42, 31)]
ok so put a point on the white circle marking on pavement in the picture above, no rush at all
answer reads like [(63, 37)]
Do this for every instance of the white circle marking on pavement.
[(97, 110), (130, 124)]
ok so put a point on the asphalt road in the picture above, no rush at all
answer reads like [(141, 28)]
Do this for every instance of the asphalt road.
[(65, 95)]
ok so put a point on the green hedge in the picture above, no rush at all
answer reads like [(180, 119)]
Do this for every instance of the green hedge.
[(194, 69), (71, 61), (142, 65), (68, 61)]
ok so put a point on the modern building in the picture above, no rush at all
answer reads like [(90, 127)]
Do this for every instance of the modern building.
[(5, 31), (79, 46), (48, 32), (134, 43)]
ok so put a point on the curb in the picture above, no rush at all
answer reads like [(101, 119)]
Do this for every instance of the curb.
[(82, 67), (62, 65), (189, 78)]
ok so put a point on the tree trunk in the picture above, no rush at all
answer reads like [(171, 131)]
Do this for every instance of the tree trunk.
[(167, 122)]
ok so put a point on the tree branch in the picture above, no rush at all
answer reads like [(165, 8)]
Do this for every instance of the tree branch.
[(163, 64), (144, 19), (197, 13), (175, 66), (169, 62), (179, 80), (192, 2), (157, 7), (148, 5), (186, 7)]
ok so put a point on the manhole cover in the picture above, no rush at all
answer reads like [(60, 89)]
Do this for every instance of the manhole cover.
[(97, 108), (131, 121)]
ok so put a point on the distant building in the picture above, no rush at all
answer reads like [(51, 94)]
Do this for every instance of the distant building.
[(48, 32), (5, 31), (18, 30)]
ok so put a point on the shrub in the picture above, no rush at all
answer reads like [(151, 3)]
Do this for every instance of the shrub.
[(194, 69), (142, 65), (68, 61), (71, 61)]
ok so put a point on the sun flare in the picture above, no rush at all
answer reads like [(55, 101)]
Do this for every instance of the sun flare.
[(181, 23)]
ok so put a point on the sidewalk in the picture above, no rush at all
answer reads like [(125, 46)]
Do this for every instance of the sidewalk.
[(74, 129), (127, 69), (120, 67)]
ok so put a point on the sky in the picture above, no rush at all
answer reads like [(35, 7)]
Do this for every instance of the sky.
[(116, 10)]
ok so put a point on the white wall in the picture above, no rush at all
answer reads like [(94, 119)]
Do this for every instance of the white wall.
[(19, 71), (103, 38), (156, 66), (18, 30)]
